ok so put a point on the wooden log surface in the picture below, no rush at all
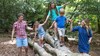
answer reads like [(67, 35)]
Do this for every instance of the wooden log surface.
[(62, 50), (39, 49), (54, 50), (59, 51), (49, 39)]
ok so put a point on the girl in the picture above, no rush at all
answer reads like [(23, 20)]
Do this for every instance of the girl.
[(40, 31), (85, 36), (53, 12)]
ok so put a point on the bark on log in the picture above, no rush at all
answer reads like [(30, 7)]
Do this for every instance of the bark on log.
[(60, 51), (54, 50), (41, 51), (49, 39)]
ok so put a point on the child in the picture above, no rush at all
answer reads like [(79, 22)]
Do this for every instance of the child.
[(60, 25), (85, 36), (53, 11), (19, 28), (41, 32)]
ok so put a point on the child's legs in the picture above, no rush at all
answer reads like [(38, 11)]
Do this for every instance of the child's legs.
[(41, 38), (55, 28), (61, 32)]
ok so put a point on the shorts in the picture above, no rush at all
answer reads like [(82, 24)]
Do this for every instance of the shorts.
[(41, 35), (20, 42), (61, 32)]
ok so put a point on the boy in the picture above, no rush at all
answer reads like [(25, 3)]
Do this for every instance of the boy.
[(60, 25)]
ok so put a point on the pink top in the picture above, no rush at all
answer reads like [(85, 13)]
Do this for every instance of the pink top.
[(20, 29)]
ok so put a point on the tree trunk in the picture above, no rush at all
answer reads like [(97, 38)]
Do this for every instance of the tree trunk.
[(59, 51), (39, 49), (55, 51), (49, 39), (56, 44)]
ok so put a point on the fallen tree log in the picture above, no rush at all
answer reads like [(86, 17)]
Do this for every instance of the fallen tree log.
[(54, 50), (41, 51), (59, 51), (49, 39)]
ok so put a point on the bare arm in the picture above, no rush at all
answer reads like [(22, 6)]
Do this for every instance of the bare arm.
[(53, 24), (45, 20), (29, 28)]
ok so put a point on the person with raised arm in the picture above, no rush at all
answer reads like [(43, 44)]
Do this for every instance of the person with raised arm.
[(39, 30), (84, 36)]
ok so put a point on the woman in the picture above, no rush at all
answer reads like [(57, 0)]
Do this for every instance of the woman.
[(85, 36)]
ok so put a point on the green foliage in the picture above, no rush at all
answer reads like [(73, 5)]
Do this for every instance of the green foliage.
[(81, 9), (34, 9)]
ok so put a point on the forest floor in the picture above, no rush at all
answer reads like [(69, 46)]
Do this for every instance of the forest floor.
[(10, 49)]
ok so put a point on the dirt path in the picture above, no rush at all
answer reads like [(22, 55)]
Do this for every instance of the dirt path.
[(7, 49)]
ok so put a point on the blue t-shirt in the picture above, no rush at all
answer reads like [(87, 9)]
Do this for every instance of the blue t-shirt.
[(53, 11), (41, 30), (84, 35), (61, 21)]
